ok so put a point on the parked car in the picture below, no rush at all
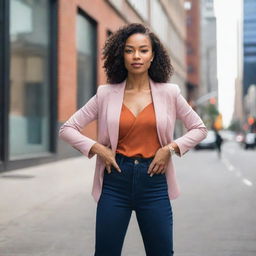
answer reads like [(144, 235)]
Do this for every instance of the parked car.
[(209, 142), (250, 140)]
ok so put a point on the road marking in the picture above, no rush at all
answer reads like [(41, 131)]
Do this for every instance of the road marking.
[(230, 167), (247, 182)]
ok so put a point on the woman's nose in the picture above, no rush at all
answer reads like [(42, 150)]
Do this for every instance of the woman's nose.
[(136, 54)]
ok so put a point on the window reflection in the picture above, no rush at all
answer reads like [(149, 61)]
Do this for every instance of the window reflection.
[(29, 78), (86, 59)]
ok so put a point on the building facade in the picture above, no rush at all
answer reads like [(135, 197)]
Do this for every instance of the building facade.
[(193, 50), (50, 62), (249, 28), (209, 82), (239, 108)]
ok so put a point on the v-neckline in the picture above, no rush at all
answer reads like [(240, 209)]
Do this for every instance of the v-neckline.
[(140, 111)]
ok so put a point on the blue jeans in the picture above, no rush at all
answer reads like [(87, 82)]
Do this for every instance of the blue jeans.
[(134, 189)]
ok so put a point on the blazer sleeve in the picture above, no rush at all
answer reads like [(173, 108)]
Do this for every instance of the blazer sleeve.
[(70, 131), (196, 129)]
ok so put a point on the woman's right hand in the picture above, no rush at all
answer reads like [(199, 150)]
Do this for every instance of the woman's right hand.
[(107, 154)]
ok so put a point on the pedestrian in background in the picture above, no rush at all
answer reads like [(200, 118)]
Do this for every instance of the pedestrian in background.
[(218, 142), (136, 112)]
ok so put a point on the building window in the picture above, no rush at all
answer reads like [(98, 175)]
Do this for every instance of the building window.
[(30, 65), (86, 58)]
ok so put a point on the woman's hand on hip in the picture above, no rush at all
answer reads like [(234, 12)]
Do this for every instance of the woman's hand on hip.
[(160, 162), (108, 156)]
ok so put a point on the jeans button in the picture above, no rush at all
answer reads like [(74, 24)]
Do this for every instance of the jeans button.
[(136, 161)]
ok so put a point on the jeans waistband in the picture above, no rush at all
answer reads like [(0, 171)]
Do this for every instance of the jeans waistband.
[(132, 158)]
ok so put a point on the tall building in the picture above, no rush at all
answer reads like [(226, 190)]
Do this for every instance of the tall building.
[(209, 81), (239, 108), (50, 62), (193, 49), (249, 27)]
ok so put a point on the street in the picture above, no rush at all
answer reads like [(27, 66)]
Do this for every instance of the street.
[(215, 215), (47, 210)]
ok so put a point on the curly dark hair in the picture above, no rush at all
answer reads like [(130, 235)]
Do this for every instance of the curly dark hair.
[(113, 55)]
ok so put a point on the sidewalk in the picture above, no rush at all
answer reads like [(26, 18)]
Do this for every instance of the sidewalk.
[(48, 210)]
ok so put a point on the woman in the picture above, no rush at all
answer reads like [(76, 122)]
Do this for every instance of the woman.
[(136, 113)]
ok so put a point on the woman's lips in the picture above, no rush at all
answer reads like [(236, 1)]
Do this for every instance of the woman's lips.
[(137, 65)]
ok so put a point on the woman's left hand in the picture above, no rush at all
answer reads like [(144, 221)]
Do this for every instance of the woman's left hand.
[(160, 161)]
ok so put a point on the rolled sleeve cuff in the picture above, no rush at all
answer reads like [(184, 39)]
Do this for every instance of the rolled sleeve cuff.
[(86, 147), (182, 149)]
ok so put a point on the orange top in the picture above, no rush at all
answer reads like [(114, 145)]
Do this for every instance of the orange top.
[(138, 135)]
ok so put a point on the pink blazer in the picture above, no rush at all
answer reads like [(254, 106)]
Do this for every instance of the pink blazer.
[(105, 106)]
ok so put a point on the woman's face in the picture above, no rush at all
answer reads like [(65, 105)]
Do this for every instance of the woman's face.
[(138, 54)]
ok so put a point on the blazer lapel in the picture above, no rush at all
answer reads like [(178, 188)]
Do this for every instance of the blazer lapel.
[(115, 105), (160, 107), (113, 112)]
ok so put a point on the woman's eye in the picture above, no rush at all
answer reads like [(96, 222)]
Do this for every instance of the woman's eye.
[(129, 51)]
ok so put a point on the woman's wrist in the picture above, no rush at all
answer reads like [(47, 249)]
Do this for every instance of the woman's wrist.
[(172, 145), (96, 148)]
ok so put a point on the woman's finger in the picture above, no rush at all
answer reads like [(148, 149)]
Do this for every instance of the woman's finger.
[(158, 169), (108, 167), (116, 166), (154, 169), (150, 167)]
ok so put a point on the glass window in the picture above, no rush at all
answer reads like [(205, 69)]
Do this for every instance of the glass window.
[(250, 59), (86, 59), (250, 49), (29, 78)]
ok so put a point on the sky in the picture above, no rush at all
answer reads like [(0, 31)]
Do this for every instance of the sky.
[(228, 14)]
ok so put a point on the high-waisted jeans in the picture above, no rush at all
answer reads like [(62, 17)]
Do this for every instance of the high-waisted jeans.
[(134, 189)]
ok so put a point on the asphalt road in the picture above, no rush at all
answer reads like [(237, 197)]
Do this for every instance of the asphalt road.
[(48, 210), (215, 215)]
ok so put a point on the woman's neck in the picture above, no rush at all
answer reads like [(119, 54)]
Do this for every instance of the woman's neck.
[(137, 82)]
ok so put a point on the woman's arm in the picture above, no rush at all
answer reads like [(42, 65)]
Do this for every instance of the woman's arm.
[(196, 129), (175, 147), (70, 131)]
